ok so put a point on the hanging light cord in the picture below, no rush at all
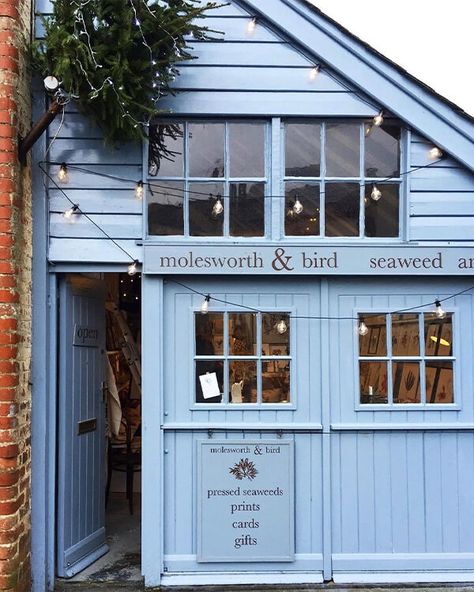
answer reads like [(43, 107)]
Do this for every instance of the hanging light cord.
[(78, 209), (153, 185), (317, 318)]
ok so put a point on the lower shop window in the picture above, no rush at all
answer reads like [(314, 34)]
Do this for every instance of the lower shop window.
[(406, 358), (242, 358)]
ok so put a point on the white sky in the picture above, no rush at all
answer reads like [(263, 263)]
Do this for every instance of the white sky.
[(431, 39)]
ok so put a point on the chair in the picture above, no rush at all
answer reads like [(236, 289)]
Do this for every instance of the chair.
[(123, 458)]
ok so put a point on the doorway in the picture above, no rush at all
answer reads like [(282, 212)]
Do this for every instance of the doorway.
[(98, 509)]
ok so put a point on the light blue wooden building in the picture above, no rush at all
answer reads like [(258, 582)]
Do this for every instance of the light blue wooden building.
[(323, 386)]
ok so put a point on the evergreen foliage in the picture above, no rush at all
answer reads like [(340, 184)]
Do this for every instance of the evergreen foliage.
[(116, 58)]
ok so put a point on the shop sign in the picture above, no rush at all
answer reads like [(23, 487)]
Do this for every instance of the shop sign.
[(85, 336), (245, 501), (306, 260)]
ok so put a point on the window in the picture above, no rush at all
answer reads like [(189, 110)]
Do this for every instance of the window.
[(406, 358), (341, 179), (211, 180), (242, 358)]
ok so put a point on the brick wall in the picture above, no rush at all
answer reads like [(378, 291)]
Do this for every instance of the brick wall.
[(15, 299)]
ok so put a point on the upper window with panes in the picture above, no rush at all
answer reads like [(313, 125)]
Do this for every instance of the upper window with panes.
[(335, 180), (342, 179), (209, 181)]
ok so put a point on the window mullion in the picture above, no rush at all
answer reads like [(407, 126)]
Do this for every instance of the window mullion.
[(185, 180), (226, 185), (388, 324), (322, 184), (361, 181), (421, 331)]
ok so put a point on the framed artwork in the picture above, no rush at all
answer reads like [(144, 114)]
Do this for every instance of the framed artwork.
[(406, 388)]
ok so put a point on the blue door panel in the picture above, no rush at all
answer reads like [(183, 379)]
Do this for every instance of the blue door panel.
[(81, 426)]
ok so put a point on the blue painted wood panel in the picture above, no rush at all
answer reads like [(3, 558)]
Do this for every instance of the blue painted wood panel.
[(81, 457)]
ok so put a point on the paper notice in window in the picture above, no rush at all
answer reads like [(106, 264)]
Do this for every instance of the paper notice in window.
[(209, 385)]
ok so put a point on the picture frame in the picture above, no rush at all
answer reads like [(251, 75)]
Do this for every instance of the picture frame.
[(407, 381)]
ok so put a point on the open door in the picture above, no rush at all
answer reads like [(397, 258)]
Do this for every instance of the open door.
[(81, 425)]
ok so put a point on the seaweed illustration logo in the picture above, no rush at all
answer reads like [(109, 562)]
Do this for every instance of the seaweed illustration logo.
[(245, 469)]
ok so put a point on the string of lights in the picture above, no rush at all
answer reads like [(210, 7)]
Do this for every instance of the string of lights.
[(153, 186), (281, 326)]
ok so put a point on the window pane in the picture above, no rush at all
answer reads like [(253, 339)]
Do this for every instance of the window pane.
[(305, 223), (406, 382), (274, 341), (302, 149), (342, 209), (203, 220), (438, 335), (206, 149), (381, 217), (165, 209), (243, 382), (342, 150), (242, 334), (382, 152), (405, 335), (209, 334), (166, 150), (209, 371), (247, 149), (439, 382), (374, 342), (373, 382), (276, 381), (247, 209)]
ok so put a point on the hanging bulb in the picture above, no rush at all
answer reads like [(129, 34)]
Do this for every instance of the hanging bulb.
[(378, 119), (298, 207), (132, 268), (363, 329), (439, 312), (252, 24), (376, 194), (71, 211), (63, 175), (205, 305), (435, 153), (217, 208), (281, 327), (139, 190), (313, 74), (368, 130)]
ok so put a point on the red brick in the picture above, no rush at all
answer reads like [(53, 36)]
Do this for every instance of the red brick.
[(8, 8), (6, 144), (7, 131), (7, 281), (7, 184), (9, 296), (8, 451), (8, 478), (7, 157)]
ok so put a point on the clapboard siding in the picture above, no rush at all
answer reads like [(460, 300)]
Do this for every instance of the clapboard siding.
[(86, 152), (94, 201), (441, 200), (119, 177), (103, 250), (119, 226)]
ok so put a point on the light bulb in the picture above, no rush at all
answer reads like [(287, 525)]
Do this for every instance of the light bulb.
[(132, 268), (205, 305), (298, 207), (435, 153), (376, 194), (439, 312), (71, 211), (139, 190), (313, 74), (368, 130), (252, 24), (281, 327), (363, 329), (217, 208), (63, 175), (378, 119)]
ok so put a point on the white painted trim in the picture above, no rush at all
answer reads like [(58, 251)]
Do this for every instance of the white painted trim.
[(405, 427), (219, 578), (261, 427), (397, 577)]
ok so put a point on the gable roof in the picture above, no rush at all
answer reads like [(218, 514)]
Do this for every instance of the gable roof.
[(388, 84)]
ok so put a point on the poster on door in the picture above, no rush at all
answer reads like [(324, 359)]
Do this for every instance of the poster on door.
[(245, 501)]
